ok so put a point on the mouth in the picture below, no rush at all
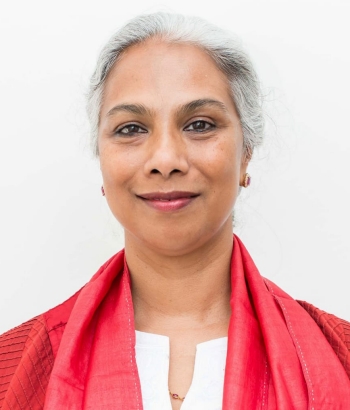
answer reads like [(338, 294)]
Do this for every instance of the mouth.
[(167, 196), (168, 201)]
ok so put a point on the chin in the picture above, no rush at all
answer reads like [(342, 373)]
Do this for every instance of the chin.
[(175, 247), (173, 242)]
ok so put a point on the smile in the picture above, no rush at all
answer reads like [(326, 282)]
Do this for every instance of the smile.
[(168, 201)]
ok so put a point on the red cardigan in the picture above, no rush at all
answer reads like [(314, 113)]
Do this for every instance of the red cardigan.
[(28, 351)]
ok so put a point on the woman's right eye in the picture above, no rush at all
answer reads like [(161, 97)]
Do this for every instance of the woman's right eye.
[(130, 129)]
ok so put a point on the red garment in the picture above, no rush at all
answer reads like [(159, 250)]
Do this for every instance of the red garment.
[(277, 355)]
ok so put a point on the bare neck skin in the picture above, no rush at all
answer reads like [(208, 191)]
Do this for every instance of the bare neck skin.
[(186, 292)]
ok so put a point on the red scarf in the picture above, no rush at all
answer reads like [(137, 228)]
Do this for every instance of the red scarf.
[(277, 356)]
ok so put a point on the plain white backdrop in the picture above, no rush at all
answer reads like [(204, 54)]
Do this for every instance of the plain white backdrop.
[(55, 227)]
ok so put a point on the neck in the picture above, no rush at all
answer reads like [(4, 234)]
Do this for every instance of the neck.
[(183, 290)]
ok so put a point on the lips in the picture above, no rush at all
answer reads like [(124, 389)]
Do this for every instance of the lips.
[(168, 201), (168, 196)]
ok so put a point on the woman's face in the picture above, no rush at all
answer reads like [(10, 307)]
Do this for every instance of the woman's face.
[(171, 147)]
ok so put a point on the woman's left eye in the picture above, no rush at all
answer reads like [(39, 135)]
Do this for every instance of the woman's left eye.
[(199, 126)]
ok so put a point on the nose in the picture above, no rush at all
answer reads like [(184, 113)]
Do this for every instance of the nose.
[(167, 155)]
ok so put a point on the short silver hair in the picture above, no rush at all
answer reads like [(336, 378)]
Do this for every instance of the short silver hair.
[(221, 45)]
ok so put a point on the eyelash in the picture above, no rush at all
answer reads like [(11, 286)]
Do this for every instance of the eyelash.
[(211, 126), (119, 131)]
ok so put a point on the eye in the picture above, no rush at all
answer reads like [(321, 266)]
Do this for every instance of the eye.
[(199, 126), (130, 130)]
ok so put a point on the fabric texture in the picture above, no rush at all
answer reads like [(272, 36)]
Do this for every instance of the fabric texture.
[(27, 354), (337, 332), (278, 353), (26, 362)]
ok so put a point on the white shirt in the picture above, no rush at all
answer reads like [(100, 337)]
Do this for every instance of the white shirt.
[(206, 391)]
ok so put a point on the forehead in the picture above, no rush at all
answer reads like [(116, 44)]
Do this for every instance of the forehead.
[(162, 74)]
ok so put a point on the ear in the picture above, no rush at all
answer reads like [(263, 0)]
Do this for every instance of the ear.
[(246, 157)]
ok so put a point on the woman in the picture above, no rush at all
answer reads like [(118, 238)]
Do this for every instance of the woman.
[(181, 318)]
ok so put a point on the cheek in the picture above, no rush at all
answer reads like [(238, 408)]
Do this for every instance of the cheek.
[(116, 175), (221, 163), (117, 165), (221, 168)]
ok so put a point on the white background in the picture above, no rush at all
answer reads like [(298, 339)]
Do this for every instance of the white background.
[(55, 227)]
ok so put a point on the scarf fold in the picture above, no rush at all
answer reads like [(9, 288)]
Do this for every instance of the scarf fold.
[(277, 356)]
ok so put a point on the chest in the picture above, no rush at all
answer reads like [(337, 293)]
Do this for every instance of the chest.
[(199, 377)]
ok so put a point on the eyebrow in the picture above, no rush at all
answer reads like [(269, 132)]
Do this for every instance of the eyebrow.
[(140, 109), (203, 102)]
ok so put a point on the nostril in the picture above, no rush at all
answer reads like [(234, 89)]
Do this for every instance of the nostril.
[(156, 171)]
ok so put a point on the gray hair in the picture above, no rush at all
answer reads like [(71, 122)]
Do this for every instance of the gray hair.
[(176, 28)]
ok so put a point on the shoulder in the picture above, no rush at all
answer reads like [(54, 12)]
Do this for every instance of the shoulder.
[(27, 354), (28, 351), (336, 331)]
